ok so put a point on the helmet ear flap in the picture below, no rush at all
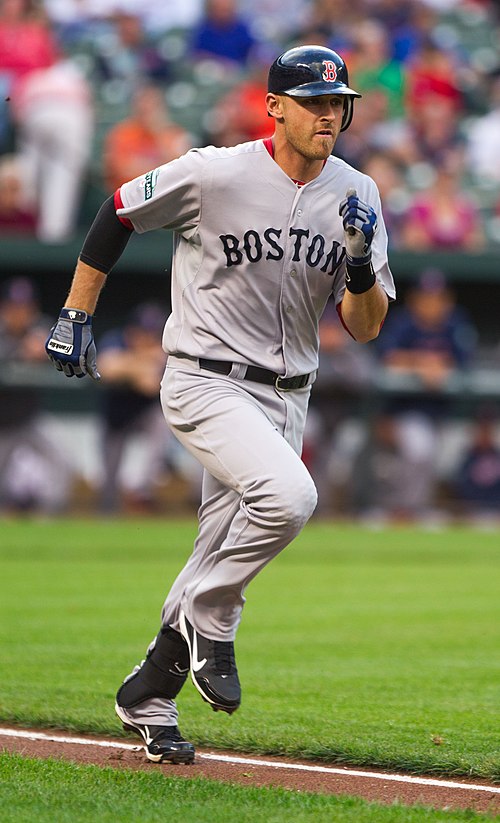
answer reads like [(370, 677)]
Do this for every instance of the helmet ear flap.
[(348, 112)]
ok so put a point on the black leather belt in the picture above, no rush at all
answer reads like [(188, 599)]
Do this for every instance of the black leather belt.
[(258, 375)]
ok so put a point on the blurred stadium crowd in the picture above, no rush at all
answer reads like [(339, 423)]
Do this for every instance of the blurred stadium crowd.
[(95, 92)]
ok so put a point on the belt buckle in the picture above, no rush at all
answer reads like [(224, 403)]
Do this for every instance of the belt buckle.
[(277, 383), (295, 383)]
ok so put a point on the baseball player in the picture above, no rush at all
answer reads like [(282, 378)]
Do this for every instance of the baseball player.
[(265, 233)]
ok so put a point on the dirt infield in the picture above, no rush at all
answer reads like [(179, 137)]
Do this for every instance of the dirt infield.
[(248, 770)]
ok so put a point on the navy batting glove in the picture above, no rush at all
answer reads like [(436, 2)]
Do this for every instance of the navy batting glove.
[(70, 345), (360, 224)]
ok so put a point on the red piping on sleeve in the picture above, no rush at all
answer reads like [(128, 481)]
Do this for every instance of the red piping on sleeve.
[(339, 312), (119, 205)]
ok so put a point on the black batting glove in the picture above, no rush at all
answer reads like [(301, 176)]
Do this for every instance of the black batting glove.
[(70, 345)]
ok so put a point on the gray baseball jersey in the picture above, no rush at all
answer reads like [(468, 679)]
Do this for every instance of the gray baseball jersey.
[(255, 256)]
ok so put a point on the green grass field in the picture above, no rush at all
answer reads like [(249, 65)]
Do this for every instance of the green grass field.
[(56, 792), (369, 648)]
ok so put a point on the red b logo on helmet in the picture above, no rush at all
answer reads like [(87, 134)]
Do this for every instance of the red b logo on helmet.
[(330, 72)]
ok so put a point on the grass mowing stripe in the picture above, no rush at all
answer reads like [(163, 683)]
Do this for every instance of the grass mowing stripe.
[(374, 649), (37, 791)]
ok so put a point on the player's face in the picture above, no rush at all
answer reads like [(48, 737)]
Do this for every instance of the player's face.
[(312, 124)]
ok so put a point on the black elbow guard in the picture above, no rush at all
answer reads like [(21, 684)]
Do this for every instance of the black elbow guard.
[(106, 239)]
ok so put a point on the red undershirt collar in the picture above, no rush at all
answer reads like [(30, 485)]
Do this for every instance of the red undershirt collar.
[(268, 142)]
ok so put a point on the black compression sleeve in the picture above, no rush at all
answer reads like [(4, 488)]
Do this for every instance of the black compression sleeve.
[(106, 239)]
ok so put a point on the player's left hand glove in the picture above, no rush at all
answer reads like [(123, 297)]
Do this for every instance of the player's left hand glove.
[(70, 345), (360, 224)]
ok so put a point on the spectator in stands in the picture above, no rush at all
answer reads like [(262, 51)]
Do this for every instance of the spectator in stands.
[(423, 343), (430, 335), (372, 66), (444, 216), (372, 131), (131, 363), (428, 137), (385, 482), (389, 177), (271, 25), (145, 140), (34, 475), (483, 138), (54, 118), (129, 54), (22, 325), (77, 21), (239, 115), (434, 107), (408, 25), (477, 479), (222, 34), (160, 17), (27, 43), (417, 145), (431, 121), (328, 23), (432, 72), (15, 216)]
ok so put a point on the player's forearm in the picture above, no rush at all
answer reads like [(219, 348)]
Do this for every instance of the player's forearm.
[(102, 248), (85, 288), (363, 314)]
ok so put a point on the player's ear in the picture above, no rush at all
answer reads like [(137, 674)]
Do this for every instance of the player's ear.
[(274, 107)]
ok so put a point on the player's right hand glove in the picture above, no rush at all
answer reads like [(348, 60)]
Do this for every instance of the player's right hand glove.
[(360, 224), (70, 345)]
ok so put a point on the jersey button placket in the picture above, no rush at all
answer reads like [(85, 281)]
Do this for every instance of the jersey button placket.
[(291, 284)]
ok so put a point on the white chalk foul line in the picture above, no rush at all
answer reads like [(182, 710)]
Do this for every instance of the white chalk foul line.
[(248, 761)]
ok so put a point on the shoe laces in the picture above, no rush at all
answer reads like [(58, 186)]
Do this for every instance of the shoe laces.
[(167, 732), (224, 656)]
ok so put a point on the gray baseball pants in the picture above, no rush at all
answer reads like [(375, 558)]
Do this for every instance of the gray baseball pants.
[(257, 494)]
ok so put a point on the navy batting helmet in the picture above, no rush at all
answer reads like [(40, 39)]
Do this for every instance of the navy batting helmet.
[(309, 71)]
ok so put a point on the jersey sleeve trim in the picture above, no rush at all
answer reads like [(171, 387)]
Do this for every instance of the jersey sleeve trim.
[(117, 197)]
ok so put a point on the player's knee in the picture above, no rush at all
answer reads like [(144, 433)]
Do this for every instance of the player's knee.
[(300, 502), (285, 503)]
